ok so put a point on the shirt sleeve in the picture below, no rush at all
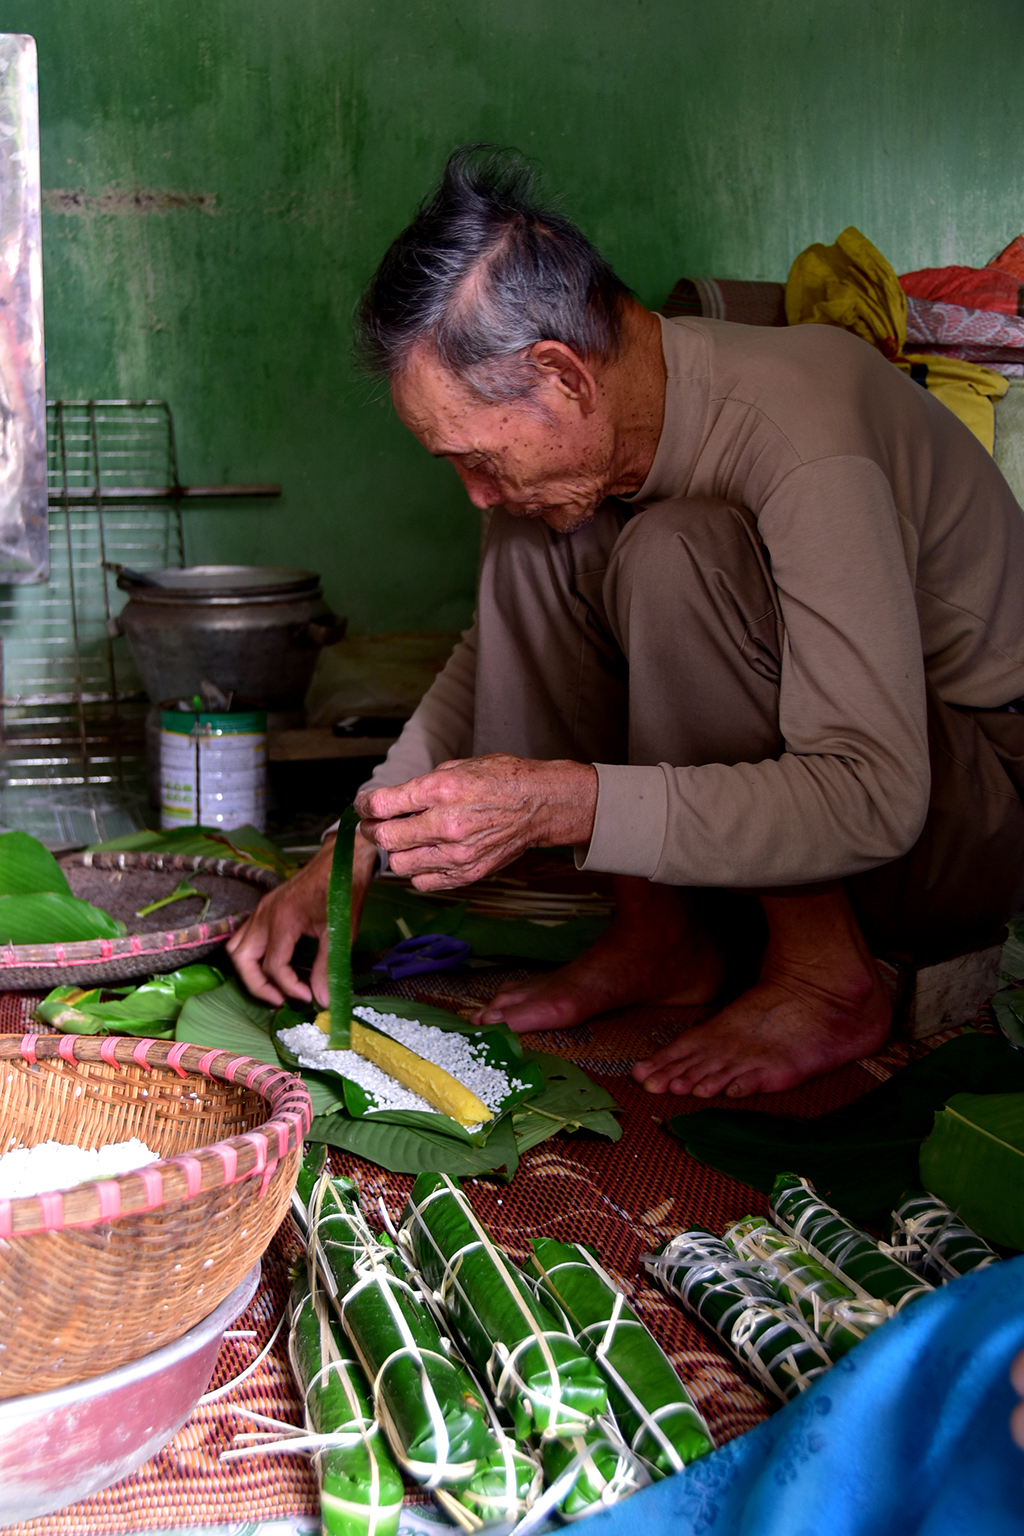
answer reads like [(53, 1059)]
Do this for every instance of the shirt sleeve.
[(441, 727), (850, 790)]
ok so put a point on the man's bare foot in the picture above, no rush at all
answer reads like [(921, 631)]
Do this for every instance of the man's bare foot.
[(819, 1002), (655, 950)]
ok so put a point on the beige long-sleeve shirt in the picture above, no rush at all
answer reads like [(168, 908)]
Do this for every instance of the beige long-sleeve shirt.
[(898, 553)]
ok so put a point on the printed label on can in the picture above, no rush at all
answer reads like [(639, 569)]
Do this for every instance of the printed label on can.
[(213, 780)]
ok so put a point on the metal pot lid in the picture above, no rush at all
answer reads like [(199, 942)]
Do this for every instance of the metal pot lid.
[(219, 581)]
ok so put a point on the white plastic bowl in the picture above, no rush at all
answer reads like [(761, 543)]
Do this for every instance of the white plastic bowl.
[(56, 1447)]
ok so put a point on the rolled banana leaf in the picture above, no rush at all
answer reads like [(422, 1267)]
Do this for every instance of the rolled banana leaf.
[(605, 1473), (837, 1314), (533, 1367), (766, 1334), (361, 1488), (508, 1478), (843, 1248), (932, 1240), (436, 1430), (655, 1414), (339, 935)]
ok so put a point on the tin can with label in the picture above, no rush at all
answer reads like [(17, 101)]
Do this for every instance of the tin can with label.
[(213, 769)]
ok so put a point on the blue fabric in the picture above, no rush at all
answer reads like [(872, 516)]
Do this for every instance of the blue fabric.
[(907, 1436)]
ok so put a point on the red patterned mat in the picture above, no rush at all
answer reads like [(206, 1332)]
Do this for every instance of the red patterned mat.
[(623, 1197)]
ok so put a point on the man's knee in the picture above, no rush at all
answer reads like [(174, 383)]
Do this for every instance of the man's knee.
[(702, 562)]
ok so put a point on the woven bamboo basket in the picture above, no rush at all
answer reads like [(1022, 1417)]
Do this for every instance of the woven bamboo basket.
[(120, 883), (102, 1274)]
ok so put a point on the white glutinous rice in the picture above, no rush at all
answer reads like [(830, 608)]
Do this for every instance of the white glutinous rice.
[(309, 1044), (458, 1054), (55, 1165)]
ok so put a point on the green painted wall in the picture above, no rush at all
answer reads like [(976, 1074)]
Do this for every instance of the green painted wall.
[(220, 179)]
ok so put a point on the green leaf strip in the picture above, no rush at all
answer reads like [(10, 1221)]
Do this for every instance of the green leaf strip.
[(339, 932), (932, 1240), (533, 1366), (766, 1334), (844, 1249), (656, 1414)]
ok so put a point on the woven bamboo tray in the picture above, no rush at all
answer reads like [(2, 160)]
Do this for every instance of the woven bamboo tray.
[(120, 883), (102, 1274)]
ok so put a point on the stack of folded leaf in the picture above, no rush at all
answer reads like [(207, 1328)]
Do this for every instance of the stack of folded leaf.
[(791, 1295), (487, 1385)]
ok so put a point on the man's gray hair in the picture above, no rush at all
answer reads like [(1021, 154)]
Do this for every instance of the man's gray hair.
[(481, 275)]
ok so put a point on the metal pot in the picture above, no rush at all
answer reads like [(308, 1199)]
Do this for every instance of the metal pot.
[(254, 630)]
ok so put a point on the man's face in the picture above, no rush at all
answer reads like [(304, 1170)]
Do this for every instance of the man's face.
[(544, 457)]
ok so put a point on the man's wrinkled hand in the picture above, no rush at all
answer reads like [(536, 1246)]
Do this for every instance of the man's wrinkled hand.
[(468, 818), (262, 948)]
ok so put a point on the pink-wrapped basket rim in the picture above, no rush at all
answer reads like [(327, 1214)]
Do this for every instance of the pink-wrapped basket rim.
[(183, 1175)]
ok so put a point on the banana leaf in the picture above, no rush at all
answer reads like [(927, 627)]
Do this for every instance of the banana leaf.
[(605, 1472), (228, 1019), (931, 1240), (843, 1248), (435, 1427), (497, 1047), (407, 1141), (860, 1158), (837, 1314), (361, 1489), (974, 1162), (26, 867), (534, 1368), (339, 936), (655, 1414), (150, 1009), (766, 1334), (50, 917)]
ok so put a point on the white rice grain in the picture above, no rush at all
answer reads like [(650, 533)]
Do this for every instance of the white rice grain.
[(458, 1054), (56, 1165), (309, 1044)]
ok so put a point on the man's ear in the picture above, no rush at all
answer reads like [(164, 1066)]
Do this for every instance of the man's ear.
[(569, 373)]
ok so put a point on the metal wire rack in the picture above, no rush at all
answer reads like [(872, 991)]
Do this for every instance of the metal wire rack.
[(72, 708)]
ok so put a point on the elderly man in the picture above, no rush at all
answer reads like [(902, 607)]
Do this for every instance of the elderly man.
[(750, 621)]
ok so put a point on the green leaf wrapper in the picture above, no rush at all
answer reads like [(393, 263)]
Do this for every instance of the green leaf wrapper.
[(843, 1248), (339, 932), (361, 1489), (931, 1240), (736, 1299), (656, 1415), (534, 1368), (837, 1314), (434, 1424), (606, 1472), (974, 1161)]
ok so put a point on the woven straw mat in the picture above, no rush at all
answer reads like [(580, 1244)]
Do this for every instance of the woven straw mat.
[(622, 1197)]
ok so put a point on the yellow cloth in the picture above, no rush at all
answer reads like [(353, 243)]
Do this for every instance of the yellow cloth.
[(966, 388), (851, 285)]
